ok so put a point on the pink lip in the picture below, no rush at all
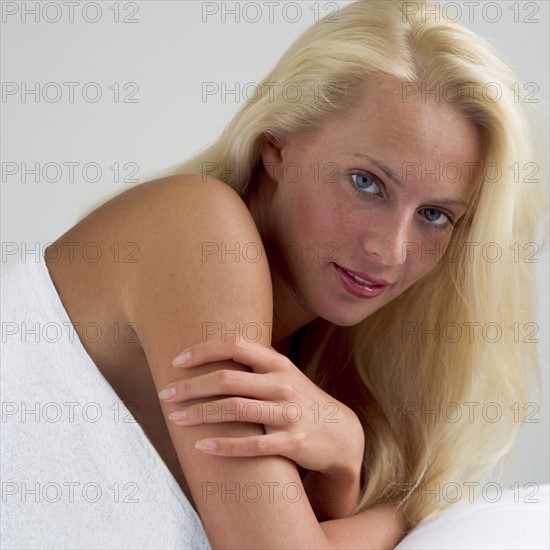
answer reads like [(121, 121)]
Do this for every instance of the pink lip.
[(365, 276), (356, 289)]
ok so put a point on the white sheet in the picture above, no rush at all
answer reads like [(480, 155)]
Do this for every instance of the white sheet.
[(519, 519)]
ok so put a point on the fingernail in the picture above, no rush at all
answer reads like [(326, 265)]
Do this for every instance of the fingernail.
[(166, 393), (178, 415), (206, 445), (181, 359)]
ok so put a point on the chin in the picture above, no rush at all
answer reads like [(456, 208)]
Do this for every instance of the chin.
[(344, 319), (348, 315)]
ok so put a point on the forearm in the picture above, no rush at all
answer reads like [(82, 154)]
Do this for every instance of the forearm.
[(260, 502), (379, 527), (332, 496), (245, 502)]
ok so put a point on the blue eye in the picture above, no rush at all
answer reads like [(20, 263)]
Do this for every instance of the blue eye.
[(369, 186), (437, 218), (365, 183)]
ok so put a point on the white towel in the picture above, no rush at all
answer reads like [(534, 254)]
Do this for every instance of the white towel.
[(77, 470)]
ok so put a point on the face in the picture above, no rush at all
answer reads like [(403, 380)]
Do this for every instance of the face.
[(367, 207)]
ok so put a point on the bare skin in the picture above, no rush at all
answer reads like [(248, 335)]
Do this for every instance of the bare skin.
[(121, 360), (371, 232), (161, 294)]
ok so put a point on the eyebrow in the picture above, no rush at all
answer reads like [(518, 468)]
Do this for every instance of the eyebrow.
[(388, 171), (393, 176)]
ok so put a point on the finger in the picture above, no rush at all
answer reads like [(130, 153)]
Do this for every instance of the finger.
[(233, 409), (279, 443), (260, 358), (226, 382)]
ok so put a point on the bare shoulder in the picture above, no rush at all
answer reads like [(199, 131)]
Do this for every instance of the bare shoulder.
[(189, 200), (162, 238), (197, 244), (177, 296), (170, 283), (195, 187), (190, 209)]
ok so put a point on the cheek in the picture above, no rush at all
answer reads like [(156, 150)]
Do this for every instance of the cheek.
[(315, 211)]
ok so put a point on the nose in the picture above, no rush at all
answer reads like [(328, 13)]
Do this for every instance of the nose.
[(390, 241)]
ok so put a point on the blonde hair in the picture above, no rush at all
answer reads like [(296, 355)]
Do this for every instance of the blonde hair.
[(459, 339)]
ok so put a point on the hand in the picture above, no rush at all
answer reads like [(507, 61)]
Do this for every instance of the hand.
[(302, 422)]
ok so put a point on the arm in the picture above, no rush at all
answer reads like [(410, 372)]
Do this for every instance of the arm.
[(332, 496), (379, 527), (322, 436), (172, 295)]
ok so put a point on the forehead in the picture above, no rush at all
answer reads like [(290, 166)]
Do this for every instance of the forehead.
[(404, 128)]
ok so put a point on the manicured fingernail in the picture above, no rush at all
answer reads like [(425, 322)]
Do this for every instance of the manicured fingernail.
[(166, 393), (181, 359), (178, 415), (206, 445)]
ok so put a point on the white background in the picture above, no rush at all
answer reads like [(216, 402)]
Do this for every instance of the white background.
[(169, 50)]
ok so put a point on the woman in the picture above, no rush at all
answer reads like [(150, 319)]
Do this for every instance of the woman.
[(305, 281)]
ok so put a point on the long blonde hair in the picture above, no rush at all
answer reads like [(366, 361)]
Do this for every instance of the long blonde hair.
[(438, 364)]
